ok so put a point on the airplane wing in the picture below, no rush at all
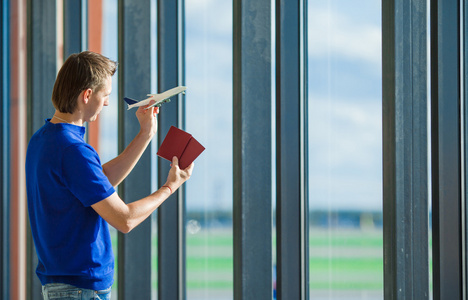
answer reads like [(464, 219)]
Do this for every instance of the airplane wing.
[(159, 98), (168, 94)]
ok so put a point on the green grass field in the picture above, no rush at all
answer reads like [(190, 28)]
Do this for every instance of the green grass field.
[(341, 261), (338, 259)]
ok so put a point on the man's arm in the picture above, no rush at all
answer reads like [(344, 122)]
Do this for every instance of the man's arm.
[(118, 169), (124, 217)]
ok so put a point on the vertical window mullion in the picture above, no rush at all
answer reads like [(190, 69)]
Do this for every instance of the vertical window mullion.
[(42, 70), (4, 153), (446, 156), (73, 17), (134, 78), (171, 215), (292, 201), (252, 214), (405, 151), (464, 49)]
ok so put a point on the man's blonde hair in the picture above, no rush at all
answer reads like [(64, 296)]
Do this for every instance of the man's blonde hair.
[(81, 71)]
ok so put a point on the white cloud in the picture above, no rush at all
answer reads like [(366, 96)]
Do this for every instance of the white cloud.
[(346, 132), (345, 153), (212, 15), (332, 33)]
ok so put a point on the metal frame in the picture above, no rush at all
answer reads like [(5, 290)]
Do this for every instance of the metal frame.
[(405, 189), (42, 70), (446, 149), (42, 56), (74, 25), (4, 154), (292, 211), (464, 55), (134, 248), (171, 215), (252, 135)]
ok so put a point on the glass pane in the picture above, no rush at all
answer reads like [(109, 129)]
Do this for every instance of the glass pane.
[(108, 119), (209, 120), (345, 158)]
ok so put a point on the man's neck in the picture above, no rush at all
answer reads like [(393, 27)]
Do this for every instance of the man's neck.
[(60, 117)]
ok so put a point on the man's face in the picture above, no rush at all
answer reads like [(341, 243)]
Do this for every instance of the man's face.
[(98, 99)]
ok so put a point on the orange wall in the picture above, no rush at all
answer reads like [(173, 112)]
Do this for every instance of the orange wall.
[(94, 44), (18, 133)]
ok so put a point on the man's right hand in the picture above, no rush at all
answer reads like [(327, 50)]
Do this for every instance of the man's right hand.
[(147, 117)]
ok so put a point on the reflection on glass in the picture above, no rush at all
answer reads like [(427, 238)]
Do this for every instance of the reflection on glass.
[(108, 134), (431, 270), (209, 119), (345, 158), (108, 116)]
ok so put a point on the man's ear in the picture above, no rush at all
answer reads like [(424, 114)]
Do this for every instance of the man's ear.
[(86, 95)]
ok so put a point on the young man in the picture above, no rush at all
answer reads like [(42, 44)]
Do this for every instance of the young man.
[(71, 197)]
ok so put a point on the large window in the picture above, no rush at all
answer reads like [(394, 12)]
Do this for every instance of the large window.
[(345, 152), (208, 109), (350, 175), (108, 118)]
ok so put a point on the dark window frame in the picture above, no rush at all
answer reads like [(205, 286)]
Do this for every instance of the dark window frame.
[(4, 153), (446, 160), (292, 201), (405, 150)]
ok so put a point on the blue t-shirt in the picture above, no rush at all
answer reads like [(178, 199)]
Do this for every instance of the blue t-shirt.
[(64, 177)]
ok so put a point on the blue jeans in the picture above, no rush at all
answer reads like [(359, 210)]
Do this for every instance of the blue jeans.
[(61, 291)]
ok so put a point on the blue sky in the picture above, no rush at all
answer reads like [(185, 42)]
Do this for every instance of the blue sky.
[(345, 151), (345, 169)]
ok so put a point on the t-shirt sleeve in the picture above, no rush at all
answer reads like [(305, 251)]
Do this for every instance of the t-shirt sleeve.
[(83, 175)]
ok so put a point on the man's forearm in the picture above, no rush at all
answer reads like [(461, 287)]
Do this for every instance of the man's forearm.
[(117, 169), (141, 209), (125, 217)]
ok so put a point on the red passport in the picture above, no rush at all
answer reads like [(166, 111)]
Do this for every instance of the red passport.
[(181, 144)]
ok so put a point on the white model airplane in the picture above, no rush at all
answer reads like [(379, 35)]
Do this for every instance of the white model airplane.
[(159, 98)]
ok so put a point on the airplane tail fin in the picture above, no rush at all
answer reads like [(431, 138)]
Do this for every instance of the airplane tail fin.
[(129, 101)]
